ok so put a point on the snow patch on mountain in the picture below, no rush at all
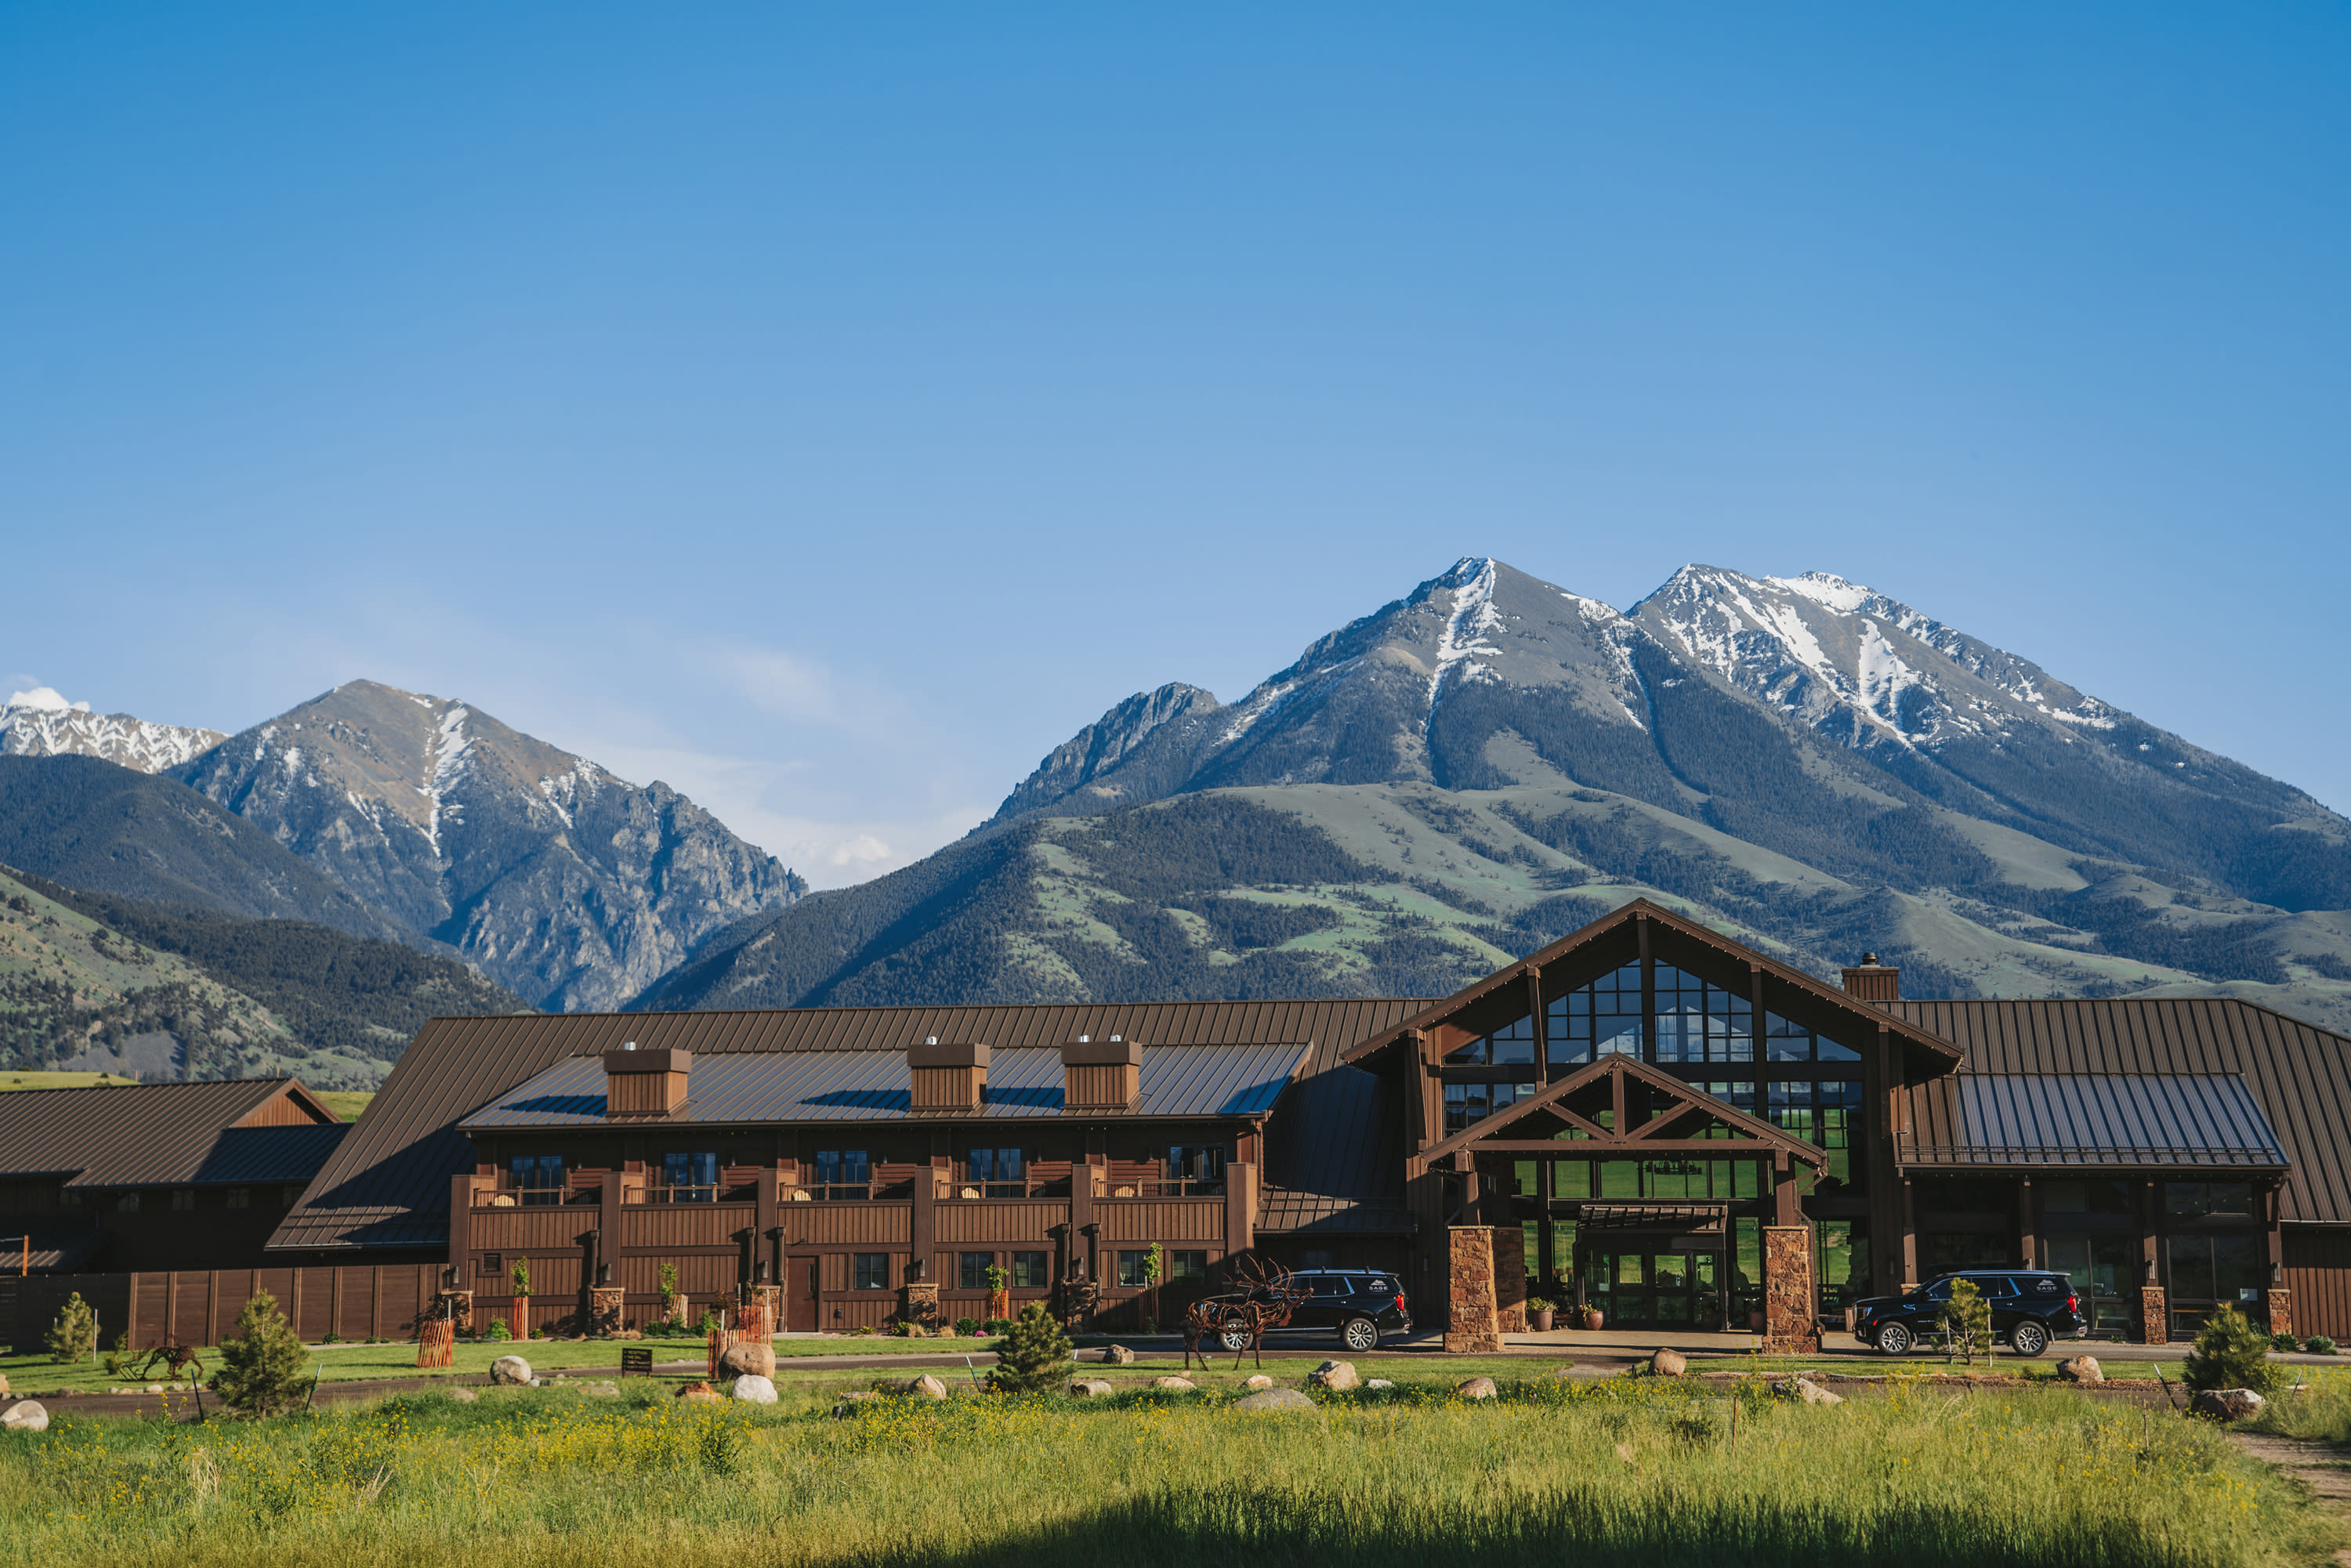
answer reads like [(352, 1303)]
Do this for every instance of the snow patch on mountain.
[(42, 722), (1463, 636)]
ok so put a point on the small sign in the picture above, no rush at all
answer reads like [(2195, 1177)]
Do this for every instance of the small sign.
[(2247, 1293), (636, 1361)]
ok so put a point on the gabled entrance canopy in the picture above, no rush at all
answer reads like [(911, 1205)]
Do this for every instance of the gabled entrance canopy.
[(1576, 1105)]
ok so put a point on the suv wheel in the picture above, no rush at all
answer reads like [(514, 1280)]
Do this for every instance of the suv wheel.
[(2028, 1338), (1234, 1338), (1892, 1339), (1361, 1334)]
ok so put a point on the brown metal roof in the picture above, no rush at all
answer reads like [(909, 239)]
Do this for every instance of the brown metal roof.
[(2300, 1074), (388, 1184), (151, 1134)]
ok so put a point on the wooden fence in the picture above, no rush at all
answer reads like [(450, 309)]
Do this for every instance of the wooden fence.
[(350, 1303)]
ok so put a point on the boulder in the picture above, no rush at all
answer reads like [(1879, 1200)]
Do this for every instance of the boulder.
[(1260, 1381), (753, 1389), (1273, 1399), (1664, 1363), (1379, 1382), (752, 1358), (1174, 1384), (926, 1388), (600, 1391), (4, 1385), (1088, 1388), (700, 1393), (510, 1371), (1118, 1355), (1805, 1389), (2227, 1404), (25, 1416), (2080, 1369), (1334, 1376), (1475, 1388), (462, 1394)]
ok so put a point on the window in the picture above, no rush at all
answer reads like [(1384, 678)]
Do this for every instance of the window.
[(691, 1176), (2203, 1198), (844, 1175), (1200, 1166), (1701, 1022), (1468, 1102), (493, 1265), (1967, 1197), (127, 1204), (1133, 1271), (999, 1172), (1323, 1287), (537, 1178), (1789, 1041), (1187, 1267), (869, 1272), (69, 1199), (971, 1269), (1511, 1045), (1602, 1019), (1032, 1270), (2223, 1269), (183, 1199), (287, 1196), (239, 1197), (2086, 1198)]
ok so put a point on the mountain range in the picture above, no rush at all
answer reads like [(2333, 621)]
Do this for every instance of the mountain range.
[(1490, 760)]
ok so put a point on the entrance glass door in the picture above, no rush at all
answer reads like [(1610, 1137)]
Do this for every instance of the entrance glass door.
[(2100, 1268), (1656, 1289)]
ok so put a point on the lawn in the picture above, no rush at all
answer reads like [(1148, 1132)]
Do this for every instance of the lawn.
[(1593, 1471)]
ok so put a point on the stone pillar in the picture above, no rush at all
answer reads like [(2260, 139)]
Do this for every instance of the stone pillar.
[(1472, 1325), (1791, 1326), (1510, 1279), (2281, 1305), (918, 1304), (762, 1312), (604, 1309), (2153, 1319)]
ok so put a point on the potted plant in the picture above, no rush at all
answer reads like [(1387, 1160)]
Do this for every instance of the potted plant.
[(999, 1292), (1539, 1313), (1593, 1320), (518, 1278)]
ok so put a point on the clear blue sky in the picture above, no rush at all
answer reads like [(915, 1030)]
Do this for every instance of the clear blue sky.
[(830, 409)]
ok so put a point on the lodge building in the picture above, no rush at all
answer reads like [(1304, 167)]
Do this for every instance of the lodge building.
[(1647, 1118)]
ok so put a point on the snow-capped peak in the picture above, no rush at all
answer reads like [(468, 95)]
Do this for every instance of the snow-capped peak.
[(1463, 635), (42, 722), (1827, 588)]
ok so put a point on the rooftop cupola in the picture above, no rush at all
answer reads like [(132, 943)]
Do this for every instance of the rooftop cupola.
[(1871, 981), (1100, 1075), (645, 1083), (950, 1077)]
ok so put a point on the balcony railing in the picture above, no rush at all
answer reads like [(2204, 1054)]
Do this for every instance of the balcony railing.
[(967, 1190), (1168, 1186)]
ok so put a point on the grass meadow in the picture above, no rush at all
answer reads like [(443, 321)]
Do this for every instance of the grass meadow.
[(1589, 1472)]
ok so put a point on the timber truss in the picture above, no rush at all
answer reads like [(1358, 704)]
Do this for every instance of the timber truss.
[(1620, 1107)]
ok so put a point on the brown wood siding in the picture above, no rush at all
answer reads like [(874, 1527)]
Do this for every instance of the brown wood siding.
[(700, 1275), (529, 1229), (1097, 1084), (865, 1226), (946, 1088), (2318, 1272), (278, 1110), (643, 1093), (1007, 1221), (1161, 1219), (676, 1224)]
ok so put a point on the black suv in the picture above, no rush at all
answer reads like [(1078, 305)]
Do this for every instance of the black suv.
[(2030, 1307), (1362, 1306)]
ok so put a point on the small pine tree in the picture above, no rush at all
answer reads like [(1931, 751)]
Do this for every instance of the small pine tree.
[(1967, 1323), (75, 1333), (1033, 1355), (261, 1363), (520, 1276), (2230, 1353), (668, 1284)]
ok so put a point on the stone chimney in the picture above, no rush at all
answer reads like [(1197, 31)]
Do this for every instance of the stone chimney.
[(950, 1078), (1873, 981), (645, 1082), (1101, 1075)]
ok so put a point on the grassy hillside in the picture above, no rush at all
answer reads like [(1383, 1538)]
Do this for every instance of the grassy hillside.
[(1408, 889), (350, 994)]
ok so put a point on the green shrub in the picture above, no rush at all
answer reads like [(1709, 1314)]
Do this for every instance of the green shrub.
[(966, 1327), (996, 1326), (261, 1363), (499, 1331), (1967, 1323), (75, 1333), (2230, 1353), (2284, 1344), (2319, 1344), (1034, 1355)]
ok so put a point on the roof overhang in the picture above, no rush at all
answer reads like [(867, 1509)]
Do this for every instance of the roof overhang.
[(1590, 1140)]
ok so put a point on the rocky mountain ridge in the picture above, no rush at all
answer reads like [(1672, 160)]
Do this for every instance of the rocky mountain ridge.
[(42, 722)]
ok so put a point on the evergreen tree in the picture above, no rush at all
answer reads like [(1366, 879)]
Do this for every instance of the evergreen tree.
[(2230, 1353), (1033, 1355), (75, 1333), (261, 1370), (1967, 1323)]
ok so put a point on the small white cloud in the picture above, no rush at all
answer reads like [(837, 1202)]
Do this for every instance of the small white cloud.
[(46, 699), (863, 850), (783, 685)]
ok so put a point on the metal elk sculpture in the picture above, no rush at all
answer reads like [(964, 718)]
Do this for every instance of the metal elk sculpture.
[(1263, 1297), (177, 1358)]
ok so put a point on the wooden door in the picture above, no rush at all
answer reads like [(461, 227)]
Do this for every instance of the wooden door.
[(801, 1304)]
